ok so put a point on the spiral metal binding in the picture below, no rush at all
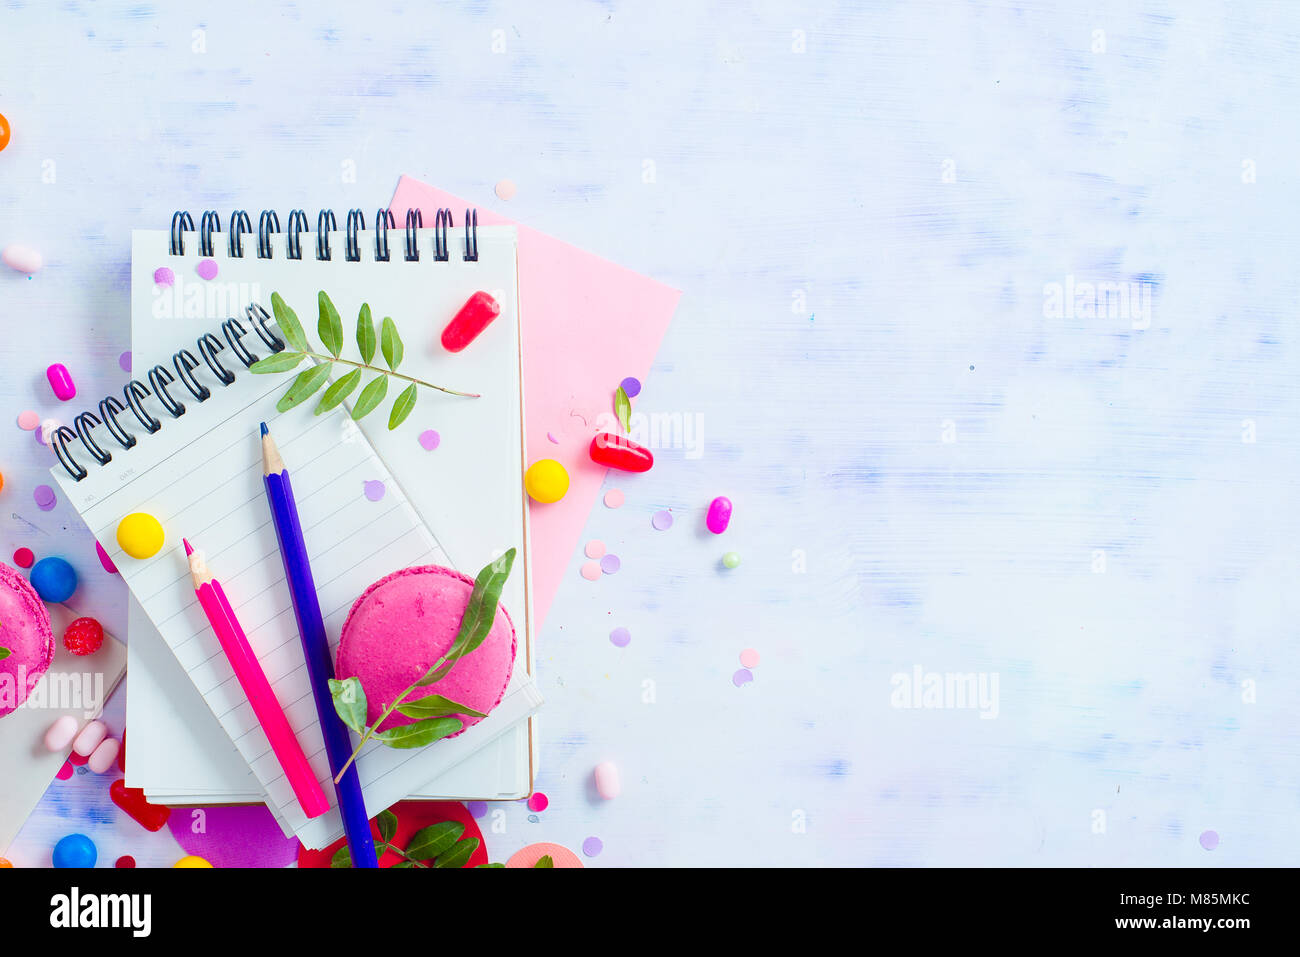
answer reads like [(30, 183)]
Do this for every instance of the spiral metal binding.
[(324, 223), (109, 406), (239, 224), (210, 223), (356, 223), (258, 317), (185, 365), (471, 236), (181, 221), (83, 431), (267, 223), (297, 226), (209, 346), (383, 222), (414, 221), (441, 223)]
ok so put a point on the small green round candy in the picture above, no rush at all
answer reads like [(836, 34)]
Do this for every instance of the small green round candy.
[(731, 559)]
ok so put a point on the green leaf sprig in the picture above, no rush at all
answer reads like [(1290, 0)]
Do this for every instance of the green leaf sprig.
[(329, 327), (4, 653), (623, 408), (433, 713), (440, 844)]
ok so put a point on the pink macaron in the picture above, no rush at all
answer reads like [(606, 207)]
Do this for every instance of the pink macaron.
[(25, 632), (403, 624)]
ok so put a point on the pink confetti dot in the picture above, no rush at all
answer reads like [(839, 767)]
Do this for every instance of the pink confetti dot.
[(591, 571), (105, 560), (610, 564), (45, 498), (78, 759), (662, 520), (613, 498), (749, 658), (375, 490), (506, 189), (595, 548), (430, 439), (620, 637), (1209, 840), (207, 269), (592, 846), (126, 860), (47, 429), (124, 360), (66, 771), (742, 677), (163, 276), (24, 558), (632, 386), (28, 420), (538, 802)]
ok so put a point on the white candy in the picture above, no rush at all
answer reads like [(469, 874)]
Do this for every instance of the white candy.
[(608, 785), (103, 756), (61, 733), (23, 258), (89, 738)]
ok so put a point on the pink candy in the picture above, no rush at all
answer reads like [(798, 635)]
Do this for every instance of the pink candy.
[(719, 516), (90, 738), (608, 784), (61, 733), (61, 381), (104, 756), (473, 317)]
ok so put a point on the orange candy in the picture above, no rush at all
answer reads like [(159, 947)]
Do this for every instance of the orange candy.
[(4, 863), (4, 131)]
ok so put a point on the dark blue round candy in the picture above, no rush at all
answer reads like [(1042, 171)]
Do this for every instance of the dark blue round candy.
[(75, 850), (54, 579)]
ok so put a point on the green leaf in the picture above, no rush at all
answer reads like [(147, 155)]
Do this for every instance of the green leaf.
[(428, 842), (436, 706), (381, 847), (391, 343), (488, 865), (402, 407), (279, 362), (404, 864), (342, 857), (419, 734), (387, 822), (366, 333), (304, 386), (480, 612), (545, 861), (623, 408), (459, 855), (338, 391), (350, 703), (4, 653), (329, 327), (370, 396), (289, 324)]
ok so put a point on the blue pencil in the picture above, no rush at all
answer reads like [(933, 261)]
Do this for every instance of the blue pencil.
[(315, 645)]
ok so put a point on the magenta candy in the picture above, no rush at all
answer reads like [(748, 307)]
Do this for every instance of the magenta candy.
[(615, 452), (719, 516), (473, 317), (61, 381)]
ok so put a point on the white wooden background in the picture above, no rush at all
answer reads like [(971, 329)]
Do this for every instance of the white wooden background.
[(867, 206)]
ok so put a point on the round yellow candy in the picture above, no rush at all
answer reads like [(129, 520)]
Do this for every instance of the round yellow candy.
[(546, 481), (191, 861), (140, 535)]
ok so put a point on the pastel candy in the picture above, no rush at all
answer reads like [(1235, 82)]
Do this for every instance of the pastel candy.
[(140, 535), (616, 452), (61, 381), (75, 850), (25, 632), (104, 756), (89, 738), (472, 318), (151, 817), (24, 259), (61, 733), (54, 579), (719, 516), (608, 784)]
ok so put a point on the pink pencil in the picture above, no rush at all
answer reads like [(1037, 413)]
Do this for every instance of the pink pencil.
[(253, 680)]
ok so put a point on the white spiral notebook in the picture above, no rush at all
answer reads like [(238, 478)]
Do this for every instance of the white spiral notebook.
[(198, 472)]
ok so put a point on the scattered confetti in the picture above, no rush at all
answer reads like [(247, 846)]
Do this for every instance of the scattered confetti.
[(528, 857), (553, 439), (591, 571), (613, 498), (45, 498), (124, 361), (126, 860), (743, 676), (506, 189), (1209, 840), (105, 560), (592, 846), (533, 819), (28, 420), (620, 637), (163, 276), (65, 773), (749, 658), (78, 759), (207, 269), (595, 548), (477, 808), (234, 836), (632, 386), (538, 802), (662, 519), (610, 564), (23, 558), (47, 429), (375, 490), (430, 439)]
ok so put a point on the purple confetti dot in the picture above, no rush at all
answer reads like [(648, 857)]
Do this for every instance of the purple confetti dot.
[(743, 676), (662, 519), (1209, 840), (553, 439), (610, 564), (592, 846), (163, 276), (430, 439), (44, 496), (124, 360), (207, 269), (375, 490), (477, 808), (631, 386), (620, 637)]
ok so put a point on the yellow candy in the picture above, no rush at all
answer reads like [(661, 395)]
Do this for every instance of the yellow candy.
[(546, 480), (191, 861), (140, 535)]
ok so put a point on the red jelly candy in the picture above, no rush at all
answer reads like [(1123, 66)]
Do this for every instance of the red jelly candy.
[(616, 452), (473, 318), (151, 817)]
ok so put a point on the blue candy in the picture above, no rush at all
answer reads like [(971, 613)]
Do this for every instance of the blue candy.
[(75, 850), (54, 579)]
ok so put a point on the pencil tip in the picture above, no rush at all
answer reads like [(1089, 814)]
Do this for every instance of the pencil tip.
[(264, 428), (189, 549)]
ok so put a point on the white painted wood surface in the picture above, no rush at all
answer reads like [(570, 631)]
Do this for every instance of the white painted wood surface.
[(870, 208)]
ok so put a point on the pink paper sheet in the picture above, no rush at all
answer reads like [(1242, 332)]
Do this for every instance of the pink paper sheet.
[(586, 325)]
